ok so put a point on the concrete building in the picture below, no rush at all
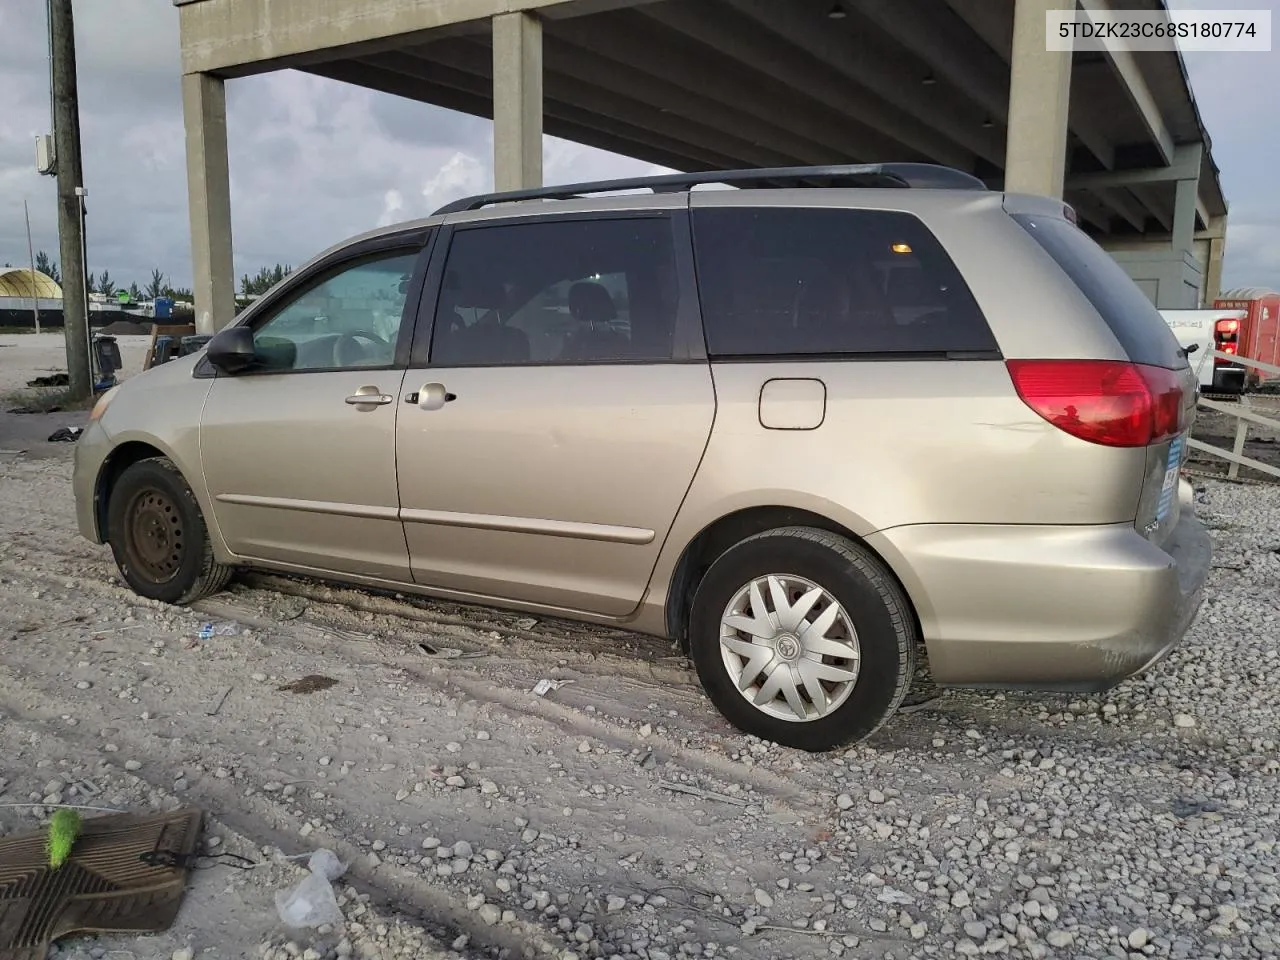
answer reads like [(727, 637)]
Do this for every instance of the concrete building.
[(713, 84)]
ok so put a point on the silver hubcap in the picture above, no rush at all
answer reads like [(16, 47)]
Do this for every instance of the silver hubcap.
[(790, 647)]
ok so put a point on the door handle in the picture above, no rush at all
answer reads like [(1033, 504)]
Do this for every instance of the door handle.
[(432, 396), (370, 396)]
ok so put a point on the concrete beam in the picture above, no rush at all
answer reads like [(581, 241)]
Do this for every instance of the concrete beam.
[(732, 87), (1039, 103), (992, 21), (591, 67), (204, 115), (940, 38), (217, 35), (1185, 166), (587, 93), (1156, 204), (885, 131), (517, 101), (1202, 212), (1120, 200), (860, 58), (1135, 87)]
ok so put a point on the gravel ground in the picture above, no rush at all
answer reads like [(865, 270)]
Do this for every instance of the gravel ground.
[(618, 816), (24, 356)]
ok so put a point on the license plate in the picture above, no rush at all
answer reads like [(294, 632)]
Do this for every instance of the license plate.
[(1169, 488)]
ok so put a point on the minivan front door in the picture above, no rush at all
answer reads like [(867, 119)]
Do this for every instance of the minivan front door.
[(299, 453), (546, 449)]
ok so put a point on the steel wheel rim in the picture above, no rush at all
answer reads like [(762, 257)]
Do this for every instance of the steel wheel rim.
[(790, 648), (154, 535)]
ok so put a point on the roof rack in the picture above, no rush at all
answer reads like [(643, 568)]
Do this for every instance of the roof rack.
[(892, 175)]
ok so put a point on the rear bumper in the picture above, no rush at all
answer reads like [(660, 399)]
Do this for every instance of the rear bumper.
[(1229, 379), (1048, 608)]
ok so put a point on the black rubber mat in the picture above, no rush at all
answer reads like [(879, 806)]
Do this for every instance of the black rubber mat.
[(104, 887)]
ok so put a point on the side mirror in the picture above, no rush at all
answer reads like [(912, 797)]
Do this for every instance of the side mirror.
[(231, 350)]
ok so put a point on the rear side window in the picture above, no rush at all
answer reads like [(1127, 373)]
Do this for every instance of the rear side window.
[(823, 282), (1133, 319)]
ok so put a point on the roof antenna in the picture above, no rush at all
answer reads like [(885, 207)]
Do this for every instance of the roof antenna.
[(837, 12)]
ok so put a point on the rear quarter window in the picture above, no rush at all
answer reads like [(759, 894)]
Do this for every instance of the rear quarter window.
[(1133, 319), (830, 282)]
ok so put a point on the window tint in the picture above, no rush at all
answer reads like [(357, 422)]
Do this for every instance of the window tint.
[(351, 318), (809, 282), (565, 291), (1134, 320)]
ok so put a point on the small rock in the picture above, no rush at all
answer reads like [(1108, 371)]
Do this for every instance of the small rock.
[(463, 849), (961, 899), (455, 781), (975, 930), (488, 787), (1184, 720), (184, 953), (615, 904), (453, 747), (482, 735), (132, 765), (763, 898), (875, 796), (83, 685), (1059, 938), (844, 801), (1138, 938), (490, 914), (584, 747)]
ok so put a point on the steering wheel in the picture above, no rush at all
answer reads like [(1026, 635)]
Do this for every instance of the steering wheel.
[(347, 350)]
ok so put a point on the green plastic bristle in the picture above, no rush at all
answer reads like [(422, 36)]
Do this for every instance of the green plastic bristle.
[(64, 827)]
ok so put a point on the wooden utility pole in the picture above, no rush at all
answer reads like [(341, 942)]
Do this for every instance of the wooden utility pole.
[(66, 145)]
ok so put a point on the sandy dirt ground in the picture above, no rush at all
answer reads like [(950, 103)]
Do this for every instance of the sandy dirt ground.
[(24, 356), (618, 815)]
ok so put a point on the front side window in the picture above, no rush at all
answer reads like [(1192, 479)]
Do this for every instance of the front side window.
[(830, 282), (349, 318), (558, 292)]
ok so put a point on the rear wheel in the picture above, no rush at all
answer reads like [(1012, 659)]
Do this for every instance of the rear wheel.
[(158, 535), (802, 637)]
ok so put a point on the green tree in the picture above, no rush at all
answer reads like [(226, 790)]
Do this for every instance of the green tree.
[(177, 293), (105, 286), (93, 283), (134, 293), (266, 278), (48, 266), (157, 285)]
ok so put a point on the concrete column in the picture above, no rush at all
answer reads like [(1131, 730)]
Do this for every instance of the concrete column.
[(1217, 250), (1184, 215), (1039, 100), (517, 101), (204, 112)]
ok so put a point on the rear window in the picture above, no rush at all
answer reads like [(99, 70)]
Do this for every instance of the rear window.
[(1134, 320), (823, 282)]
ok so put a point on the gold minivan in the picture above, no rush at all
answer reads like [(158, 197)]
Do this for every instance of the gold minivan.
[(837, 431)]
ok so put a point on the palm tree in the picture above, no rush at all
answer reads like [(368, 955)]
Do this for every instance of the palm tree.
[(48, 266), (105, 286), (134, 293), (156, 287)]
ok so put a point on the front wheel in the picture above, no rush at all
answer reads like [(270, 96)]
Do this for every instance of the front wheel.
[(158, 535), (801, 636)]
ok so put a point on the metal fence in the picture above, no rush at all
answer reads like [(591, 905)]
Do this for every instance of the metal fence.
[(1245, 415)]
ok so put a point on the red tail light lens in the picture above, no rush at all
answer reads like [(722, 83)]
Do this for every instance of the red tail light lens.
[(1107, 402), (1227, 327), (1227, 347)]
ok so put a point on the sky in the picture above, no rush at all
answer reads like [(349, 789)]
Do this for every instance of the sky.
[(314, 161)]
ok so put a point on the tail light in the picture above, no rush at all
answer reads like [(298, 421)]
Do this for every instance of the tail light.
[(1108, 402), (1227, 347), (1227, 328)]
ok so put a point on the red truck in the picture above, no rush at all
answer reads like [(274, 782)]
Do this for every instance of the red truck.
[(1257, 337)]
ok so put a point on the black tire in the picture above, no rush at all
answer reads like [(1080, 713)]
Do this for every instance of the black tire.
[(158, 535), (876, 607)]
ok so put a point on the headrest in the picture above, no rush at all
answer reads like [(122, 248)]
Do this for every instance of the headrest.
[(480, 290), (590, 303)]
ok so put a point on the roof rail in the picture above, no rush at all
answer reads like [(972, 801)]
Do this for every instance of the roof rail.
[(918, 175)]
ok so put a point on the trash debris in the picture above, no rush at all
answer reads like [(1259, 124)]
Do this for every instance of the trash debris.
[(64, 828), (311, 683), (545, 686), (213, 712), (312, 903), (66, 435), (448, 653), (227, 628), (528, 623)]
